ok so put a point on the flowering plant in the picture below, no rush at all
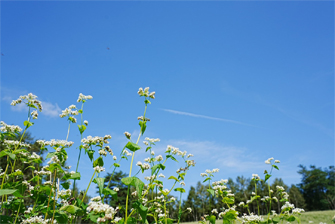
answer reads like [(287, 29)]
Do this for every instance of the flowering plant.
[(46, 196)]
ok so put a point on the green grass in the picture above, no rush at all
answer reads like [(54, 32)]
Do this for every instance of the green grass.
[(315, 217)]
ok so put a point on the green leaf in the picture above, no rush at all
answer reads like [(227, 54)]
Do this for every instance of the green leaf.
[(100, 182), (90, 154), (75, 176), (80, 111), (108, 191), (70, 209), (66, 185), (81, 128), (61, 217), (93, 217), (267, 176), (147, 148), (228, 200), (275, 166), (211, 219), (155, 167), (54, 166), (141, 209), (211, 191), (134, 181), (174, 178), (50, 154), (170, 156), (28, 124), (7, 191), (143, 126), (98, 162), (291, 218), (182, 190), (116, 165), (208, 178), (132, 146), (276, 219)]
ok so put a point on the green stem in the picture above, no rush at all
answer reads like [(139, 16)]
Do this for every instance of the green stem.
[(89, 185), (17, 214), (46, 213), (81, 138), (131, 165), (53, 215)]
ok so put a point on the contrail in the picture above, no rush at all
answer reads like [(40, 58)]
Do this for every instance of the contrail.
[(206, 117)]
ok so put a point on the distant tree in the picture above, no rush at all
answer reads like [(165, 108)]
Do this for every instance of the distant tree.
[(296, 197), (317, 187)]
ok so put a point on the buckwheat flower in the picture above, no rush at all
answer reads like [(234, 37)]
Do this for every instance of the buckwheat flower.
[(140, 91), (125, 152), (215, 170), (190, 162), (280, 188), (139, 163), (146, 91), (255, 177), (277, 161), (102, 152), (147, 159), (159, 158), (189, 209), (161, 175), (86, 122), (172, 198), (152, 153), (146, 143), (114, 158), (253, 193), (134, 193), (34, 114), (268, 161), (182, 183), (190, 155), (99, 169), (241, 203), (152, 95), (127, 134), (9, 128), (208, 171), (83, 98), (203, 174), (215, 211), (287, 205)]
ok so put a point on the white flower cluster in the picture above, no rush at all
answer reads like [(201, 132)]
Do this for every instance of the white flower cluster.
[(15, 143), (9, 128), (146, 93), (99, 169), (150, 178), (144, 166), (71, 110), (252, 218), (125, 152), (34, 114), (189, 209), (152, 140), (190, 162), (95, 140), (31, 98), (56, 143), (64, 193), (212, 171), (161, 175), (83, 98), (298, 211), (204, 174), (255, 177), (97, 207), (268, 161), (287, 205), (36, 219), (127, 134), (280, 188)]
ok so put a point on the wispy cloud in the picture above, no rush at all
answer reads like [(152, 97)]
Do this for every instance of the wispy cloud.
[(206, 117)]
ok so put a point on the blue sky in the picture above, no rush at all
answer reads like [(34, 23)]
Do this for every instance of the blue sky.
[(236, 82)]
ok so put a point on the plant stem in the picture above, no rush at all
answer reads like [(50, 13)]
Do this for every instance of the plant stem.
[(53, 216), (89, 185), (46, 213), (17, 212)]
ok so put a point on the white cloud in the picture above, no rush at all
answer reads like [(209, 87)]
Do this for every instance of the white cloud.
[(51, 110), (204, 116)]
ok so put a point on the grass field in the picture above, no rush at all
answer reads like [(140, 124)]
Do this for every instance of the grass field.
[(315, 217)]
